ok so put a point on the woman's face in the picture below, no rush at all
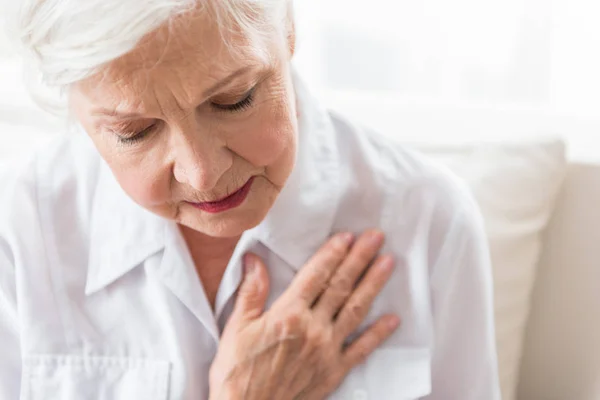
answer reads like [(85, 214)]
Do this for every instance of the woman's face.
[(192, 131)]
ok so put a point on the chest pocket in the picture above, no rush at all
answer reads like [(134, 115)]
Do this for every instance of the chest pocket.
[(389, 374), (99, 378)]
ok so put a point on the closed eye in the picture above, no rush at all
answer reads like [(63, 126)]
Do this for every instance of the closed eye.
[(137, 136), (242, 105)]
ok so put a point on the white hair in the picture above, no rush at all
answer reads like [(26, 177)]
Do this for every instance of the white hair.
[(66, 41)]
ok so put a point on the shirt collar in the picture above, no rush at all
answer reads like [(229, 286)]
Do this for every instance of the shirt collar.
[(123, 234), (302, 217)]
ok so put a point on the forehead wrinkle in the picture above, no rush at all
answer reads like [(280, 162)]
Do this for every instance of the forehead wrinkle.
[(135, 81), (169, 106), (177, 61)]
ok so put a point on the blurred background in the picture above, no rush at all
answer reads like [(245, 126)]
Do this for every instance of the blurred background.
[(506, 94), (511, 53)]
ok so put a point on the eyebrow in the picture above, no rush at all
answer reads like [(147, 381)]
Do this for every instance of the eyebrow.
[(225, 82), (106, 112)]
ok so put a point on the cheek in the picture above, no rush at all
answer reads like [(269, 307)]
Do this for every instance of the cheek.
[(143, 188), (269, 144), (269, 138), (141, 178)]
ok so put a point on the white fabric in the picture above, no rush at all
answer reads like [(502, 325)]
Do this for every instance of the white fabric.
[(99, 298), (515, 172)]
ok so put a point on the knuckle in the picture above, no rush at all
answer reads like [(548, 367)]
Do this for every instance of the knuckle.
[(290, 324), (336, 250), (319, 283), (358, 310), (322, 286), (249, 293), (341, 286), (323, 279), (316, 339), (313, 342), (362, 354), (319, 346), (331, 379), (293, 320), (365, 256)]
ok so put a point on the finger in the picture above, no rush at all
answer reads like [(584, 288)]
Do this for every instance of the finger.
[(314, 277), (343, 283), (357, 307), (253, 291), (370, 340)]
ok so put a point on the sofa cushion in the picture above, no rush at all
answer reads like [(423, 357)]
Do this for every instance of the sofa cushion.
[(516, 185)]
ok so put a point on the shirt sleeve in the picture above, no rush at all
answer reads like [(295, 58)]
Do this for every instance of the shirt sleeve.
[(464, 359), (10, 354)]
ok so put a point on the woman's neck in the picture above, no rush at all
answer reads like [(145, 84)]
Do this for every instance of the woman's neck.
[(211, 256)]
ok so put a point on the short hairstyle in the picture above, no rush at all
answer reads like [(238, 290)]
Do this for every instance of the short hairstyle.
[(66, 41)]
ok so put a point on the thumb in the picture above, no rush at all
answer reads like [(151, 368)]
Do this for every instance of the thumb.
[(253, 291)]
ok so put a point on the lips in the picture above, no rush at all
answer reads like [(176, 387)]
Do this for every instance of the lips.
[(232, 201)]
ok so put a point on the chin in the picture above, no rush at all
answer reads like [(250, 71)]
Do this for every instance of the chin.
[(228, 227), (227, 224)]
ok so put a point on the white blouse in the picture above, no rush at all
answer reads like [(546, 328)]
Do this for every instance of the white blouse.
[(99, 299)]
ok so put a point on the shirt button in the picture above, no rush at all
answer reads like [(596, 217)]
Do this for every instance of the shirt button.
[(360, 395)]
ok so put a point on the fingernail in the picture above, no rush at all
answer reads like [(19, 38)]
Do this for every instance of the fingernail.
[(376, 238), (346, 238), (250, 265), (386, 263), (393, 322)]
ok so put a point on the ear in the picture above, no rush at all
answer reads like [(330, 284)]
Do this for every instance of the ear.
[(291, 30), (292, 39)]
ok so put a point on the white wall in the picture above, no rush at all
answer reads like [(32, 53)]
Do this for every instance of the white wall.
[(535, 53)]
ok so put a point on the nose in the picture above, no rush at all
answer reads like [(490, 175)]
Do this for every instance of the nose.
[(200, 163)]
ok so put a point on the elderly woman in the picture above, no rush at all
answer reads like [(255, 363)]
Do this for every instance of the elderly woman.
[(207, 235)]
